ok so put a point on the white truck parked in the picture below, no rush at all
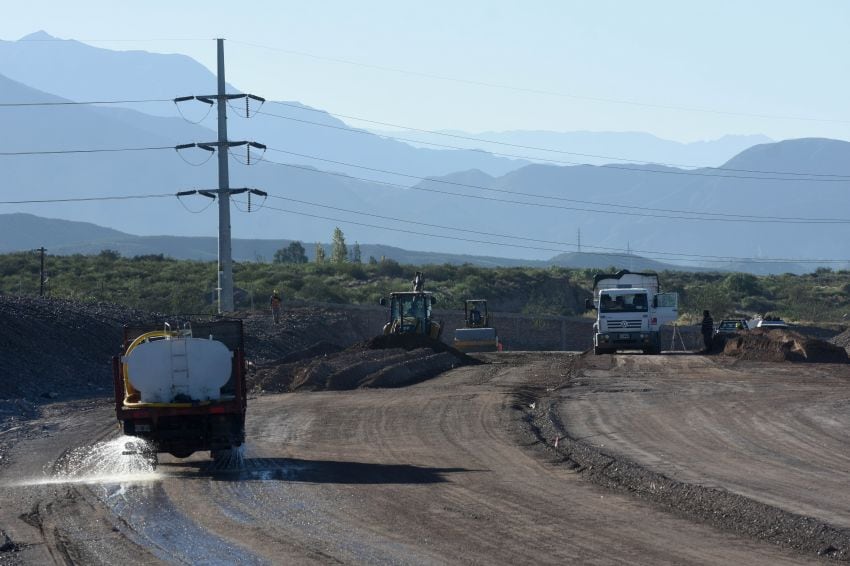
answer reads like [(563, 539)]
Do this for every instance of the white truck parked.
[(630, 310)]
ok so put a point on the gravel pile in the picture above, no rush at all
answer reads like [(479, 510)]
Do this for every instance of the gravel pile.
[(782, 345), (300, 329), (62, 349), (51, 348), (842, 339), (383, 361), (54, 349)]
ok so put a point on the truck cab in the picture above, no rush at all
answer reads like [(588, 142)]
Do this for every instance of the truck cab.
[(630, 312)]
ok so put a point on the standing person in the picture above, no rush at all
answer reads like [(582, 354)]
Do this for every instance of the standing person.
[(707, 329), (275, 303)]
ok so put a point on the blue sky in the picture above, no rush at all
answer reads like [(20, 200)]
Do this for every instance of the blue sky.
[(775, 58)]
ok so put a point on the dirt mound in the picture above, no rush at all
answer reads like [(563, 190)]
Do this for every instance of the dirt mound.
[(61, 349), (300, 328), (383, 361), (842, 340), (782, 345), (318, 349), (410, 342), (52, 348)]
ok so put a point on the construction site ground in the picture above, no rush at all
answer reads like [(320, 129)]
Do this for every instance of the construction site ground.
[(528, 457)]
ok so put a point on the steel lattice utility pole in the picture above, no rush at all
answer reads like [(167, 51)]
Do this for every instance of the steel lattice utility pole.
[(223, 193), (225, 259)]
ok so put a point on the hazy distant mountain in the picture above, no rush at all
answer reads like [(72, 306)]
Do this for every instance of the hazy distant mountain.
[(533, 213), (598, 148), (77, 71), (77, 127), (605, 261), (635, 207), (21, 232)]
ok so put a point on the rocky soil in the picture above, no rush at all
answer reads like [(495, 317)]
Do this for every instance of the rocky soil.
[(58, 350), (709, 504), (779, 345), (52, 348), (383, 361)]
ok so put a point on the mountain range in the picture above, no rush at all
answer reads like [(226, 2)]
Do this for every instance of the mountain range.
[(23, 232), (384, 191), (594, 148)]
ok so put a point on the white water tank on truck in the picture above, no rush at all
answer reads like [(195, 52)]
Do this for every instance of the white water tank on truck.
[(179, 369)]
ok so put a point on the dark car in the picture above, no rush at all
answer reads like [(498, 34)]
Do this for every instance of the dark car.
[(731, 326)]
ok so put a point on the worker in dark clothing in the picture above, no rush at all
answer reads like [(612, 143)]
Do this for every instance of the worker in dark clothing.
[(707, 329), (275, 304), (474, 317)]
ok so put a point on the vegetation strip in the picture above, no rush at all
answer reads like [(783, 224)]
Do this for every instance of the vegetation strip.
[(716, 507)]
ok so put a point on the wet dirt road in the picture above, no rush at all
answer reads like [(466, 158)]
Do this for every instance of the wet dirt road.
[(441, 472), (776, 433)]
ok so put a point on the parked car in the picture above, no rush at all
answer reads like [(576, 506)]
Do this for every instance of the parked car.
[(731, 326), (769, 323)]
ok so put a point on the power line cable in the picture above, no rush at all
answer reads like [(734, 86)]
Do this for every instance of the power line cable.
[(69, 151), (696, 215), (122, 40), (560, 161), (80, 103), (88, 199), (545, 92), (552, 150), (194, 122)]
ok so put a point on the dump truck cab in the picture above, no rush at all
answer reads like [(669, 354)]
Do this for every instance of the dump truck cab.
[(630, 312), (410, 313)]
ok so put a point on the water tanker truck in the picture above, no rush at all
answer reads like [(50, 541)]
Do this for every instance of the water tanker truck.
[(630, 310), (182, 391)]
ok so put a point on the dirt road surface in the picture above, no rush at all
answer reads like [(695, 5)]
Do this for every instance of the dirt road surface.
[(776, 433), (445, 471)]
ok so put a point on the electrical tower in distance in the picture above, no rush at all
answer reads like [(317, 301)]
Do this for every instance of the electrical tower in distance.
[(225, 256)]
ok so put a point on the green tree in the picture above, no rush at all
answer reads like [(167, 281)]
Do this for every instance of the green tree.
[(710, 297), (320, 253), (742, 285), (109, 255), (356, 257), (373, 261), (339, 252), (293, 253)]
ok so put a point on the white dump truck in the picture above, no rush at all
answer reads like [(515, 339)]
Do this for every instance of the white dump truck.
[(630, 310)]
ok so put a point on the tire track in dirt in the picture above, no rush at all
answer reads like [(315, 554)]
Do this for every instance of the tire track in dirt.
[(717, 441)]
